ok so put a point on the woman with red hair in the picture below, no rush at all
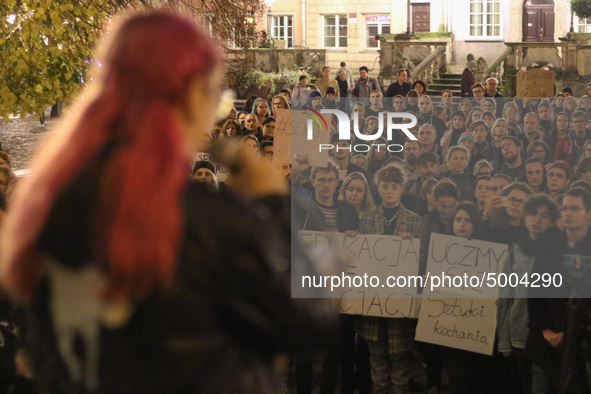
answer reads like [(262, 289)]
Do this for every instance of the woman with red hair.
[(124, 264)]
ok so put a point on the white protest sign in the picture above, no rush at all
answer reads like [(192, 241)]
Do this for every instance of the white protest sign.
[(376, 275), (462, 258), (220, 171), (448, 316), (460, 323), (282, 138)]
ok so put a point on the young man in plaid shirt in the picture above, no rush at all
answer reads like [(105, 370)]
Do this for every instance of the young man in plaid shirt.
[(390, 340)]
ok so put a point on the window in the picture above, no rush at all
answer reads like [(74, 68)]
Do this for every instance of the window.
[(282, 29), (237, 36), (485, 18), (335, 31), (375, 24), (584, 25)]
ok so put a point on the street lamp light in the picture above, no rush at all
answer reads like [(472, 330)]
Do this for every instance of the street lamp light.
[(269, 4)]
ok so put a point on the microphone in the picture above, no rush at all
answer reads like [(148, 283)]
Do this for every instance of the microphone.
[(225, 152)]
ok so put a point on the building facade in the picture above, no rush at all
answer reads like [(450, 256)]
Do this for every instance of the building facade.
[(347, 28)]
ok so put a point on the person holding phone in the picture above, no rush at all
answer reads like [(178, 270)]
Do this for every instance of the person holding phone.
[(503, 214)]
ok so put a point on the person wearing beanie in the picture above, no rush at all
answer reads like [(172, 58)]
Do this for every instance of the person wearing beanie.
[(466, 136), (268, 129), (330, 102), (315, 100), (468, 78), (204, 172)]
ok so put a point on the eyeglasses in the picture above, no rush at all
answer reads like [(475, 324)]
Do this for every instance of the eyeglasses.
[(573, 209), (516, 201)]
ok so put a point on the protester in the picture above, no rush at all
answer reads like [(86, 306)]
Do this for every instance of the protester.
[(231, 129), (535, 174), (355, 191), (261, 109), (482, 190), (390, 340), (511, 114), (557, 178), (457, 128), (124, 263), (551, 351), (420, 87), (204, 173), (569, 148), (400, 87), (503, 214), (279, 102), (511, 150), (325, 82), (458, 158), (300, 93), (540, 150), (465, 107), (348, 74), (468, 78), (512, 322), (365, 84)]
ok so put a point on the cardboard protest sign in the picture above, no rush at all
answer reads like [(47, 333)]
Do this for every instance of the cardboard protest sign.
[(456, 256), (291, 138), (461, 314), (460, 323), (220, 171), (535, 83), (358, 275), (282, 139)]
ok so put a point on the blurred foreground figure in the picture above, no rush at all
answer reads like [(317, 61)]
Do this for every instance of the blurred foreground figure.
[(137, 280)]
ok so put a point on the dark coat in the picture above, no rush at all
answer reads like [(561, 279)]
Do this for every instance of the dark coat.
[(467, 82), (218, 328), (395, 89), (549, 310)]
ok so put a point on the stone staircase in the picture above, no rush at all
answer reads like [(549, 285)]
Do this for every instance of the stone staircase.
[(452, 81), (449, 81)]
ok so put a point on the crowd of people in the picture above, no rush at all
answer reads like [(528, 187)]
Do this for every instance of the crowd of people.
[(515, 171)]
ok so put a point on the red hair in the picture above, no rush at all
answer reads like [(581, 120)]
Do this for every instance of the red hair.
[(145, 75)]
